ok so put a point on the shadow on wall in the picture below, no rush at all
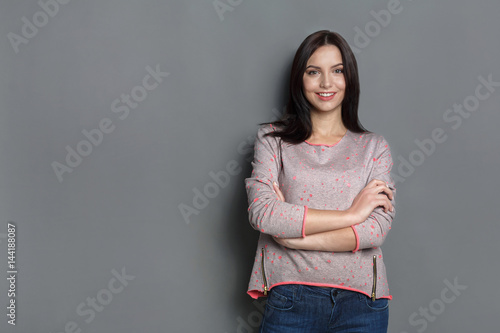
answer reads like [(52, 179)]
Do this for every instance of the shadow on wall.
[(242, 245)]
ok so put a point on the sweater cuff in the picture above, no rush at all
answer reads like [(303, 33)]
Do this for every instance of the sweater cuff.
[(357, 238), (304, 222)]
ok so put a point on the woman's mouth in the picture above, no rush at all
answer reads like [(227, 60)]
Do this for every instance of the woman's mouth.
[(326, 96)]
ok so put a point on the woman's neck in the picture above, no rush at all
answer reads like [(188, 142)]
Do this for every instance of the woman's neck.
[(327, 125)]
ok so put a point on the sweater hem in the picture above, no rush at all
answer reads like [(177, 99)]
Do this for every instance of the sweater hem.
[(304, 222), (254, 293)]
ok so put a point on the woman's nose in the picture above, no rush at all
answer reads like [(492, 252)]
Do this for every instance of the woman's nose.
[(326, 82)]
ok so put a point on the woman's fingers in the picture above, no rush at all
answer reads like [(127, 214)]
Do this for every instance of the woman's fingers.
[(387, 191), (381, 186), (278, 192), (384, 202), (375, 194), (281, 241)]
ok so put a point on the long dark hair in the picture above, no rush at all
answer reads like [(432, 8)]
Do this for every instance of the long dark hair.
[(296, 121)]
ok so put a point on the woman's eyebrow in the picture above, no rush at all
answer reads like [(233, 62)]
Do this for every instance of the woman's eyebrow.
[(320, 67)]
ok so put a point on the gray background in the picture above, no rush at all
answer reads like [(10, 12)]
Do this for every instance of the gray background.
[(120, 207)]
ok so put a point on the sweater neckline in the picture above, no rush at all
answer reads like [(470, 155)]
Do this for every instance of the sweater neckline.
[(327, 145)]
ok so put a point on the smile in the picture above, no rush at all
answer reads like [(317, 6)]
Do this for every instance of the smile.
[(326, 96)]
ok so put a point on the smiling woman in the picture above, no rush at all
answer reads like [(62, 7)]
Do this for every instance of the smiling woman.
[(322, 197), (324, 84)]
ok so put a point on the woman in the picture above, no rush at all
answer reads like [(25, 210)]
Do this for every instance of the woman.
[(322, 197)]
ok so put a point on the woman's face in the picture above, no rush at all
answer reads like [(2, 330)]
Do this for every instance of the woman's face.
[(323, 82)]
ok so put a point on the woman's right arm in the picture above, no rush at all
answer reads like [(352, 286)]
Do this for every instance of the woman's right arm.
[(266, 212)]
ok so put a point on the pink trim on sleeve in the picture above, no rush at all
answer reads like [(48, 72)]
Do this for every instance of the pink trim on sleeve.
[(304, 223), (255, 294), (357, 238)]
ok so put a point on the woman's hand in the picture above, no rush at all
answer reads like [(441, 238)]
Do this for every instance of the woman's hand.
[(282, 241), (278, 192), (313, 242), (376, 193)]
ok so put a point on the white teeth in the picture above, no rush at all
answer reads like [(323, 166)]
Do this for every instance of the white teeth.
[(326, 95)]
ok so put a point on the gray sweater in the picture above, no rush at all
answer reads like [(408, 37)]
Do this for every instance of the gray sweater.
[(317, 176)]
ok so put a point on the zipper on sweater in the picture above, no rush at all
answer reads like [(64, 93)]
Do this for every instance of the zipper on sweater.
[(374, 277), (264, 274)]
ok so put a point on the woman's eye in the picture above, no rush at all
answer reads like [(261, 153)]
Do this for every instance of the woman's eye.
[(312, 72), (339, 70)]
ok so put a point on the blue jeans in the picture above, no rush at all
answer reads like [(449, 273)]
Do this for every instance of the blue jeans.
[(301, 308)]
